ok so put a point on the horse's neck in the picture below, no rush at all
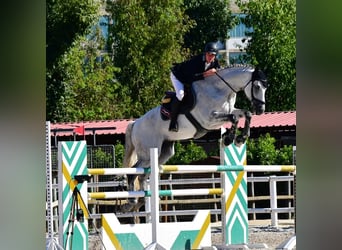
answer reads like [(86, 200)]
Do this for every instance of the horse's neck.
[(238, 78), (210, 87), (214, 95), (211, 96)]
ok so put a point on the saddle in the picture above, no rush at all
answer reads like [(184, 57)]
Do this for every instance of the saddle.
[(187, 103)]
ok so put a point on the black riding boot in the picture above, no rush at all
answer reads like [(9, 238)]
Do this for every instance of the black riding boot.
[(174, 114)]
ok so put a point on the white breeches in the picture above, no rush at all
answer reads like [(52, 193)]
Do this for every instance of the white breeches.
[(179, 87)]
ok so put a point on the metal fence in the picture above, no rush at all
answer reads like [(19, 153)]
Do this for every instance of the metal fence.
[(99, 156)]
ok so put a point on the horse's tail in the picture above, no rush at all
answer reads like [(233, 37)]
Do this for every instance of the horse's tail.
[(130, 157)]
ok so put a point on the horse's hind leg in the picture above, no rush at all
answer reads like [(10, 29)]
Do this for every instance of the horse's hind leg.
[(166, 152), (135, 183), (131, 186), (129, 207), (141, 200)]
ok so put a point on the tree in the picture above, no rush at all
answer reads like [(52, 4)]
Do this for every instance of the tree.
[(65, 20), (119, 154), (213, 20), (88, 90), (187, 154), (147, 39), (273, 47), (81, 81)]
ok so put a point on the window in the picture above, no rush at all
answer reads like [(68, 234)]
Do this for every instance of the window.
[(240, 29), (236, 57)]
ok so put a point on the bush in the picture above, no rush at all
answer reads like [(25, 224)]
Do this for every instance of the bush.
[(119, 154), (262, 151), (187, 154)]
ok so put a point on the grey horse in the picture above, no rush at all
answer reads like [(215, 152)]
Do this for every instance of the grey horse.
[(214, 100)]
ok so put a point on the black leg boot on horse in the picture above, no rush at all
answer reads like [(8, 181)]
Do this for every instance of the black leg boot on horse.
[(174, 115)]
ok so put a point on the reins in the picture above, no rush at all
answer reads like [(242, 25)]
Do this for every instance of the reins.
[(227, 83), (252, 92)]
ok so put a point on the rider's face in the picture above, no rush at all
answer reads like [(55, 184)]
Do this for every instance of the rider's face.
[(209, 57)]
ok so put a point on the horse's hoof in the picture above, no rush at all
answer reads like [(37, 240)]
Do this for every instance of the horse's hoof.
[(129, 206), (228, 139), (232, 118), (125, 208), (239, 140)]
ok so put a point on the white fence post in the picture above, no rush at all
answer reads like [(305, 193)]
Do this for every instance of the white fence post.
[(273, 194), (147, 186), (154, 185)]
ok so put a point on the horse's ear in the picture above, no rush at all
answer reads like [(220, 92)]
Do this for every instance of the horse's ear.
[(264, 70), (255, 72), (259, 71), (257, 68), (260, 74)]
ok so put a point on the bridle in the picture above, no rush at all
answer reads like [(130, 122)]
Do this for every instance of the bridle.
[(254, 99)]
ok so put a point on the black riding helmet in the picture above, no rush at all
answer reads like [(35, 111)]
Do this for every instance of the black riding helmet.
[(211, 47)]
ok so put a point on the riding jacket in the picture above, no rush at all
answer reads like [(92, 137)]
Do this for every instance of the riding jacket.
[(192, 70)]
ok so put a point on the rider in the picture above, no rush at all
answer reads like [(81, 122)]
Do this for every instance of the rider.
[(197, 68)]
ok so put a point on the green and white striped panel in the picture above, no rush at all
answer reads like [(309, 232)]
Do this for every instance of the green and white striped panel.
[(72, 160), (236, 209)]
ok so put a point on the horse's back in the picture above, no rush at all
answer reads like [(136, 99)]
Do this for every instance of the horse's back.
[(147, 126), (150, 117)]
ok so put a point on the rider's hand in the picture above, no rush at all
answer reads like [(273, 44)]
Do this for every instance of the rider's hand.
[(209, 72)]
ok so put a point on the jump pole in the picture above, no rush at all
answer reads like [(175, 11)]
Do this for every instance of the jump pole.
[(187, 169), (154, 187)]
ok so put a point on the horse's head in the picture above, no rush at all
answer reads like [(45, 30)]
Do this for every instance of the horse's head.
[(255, 91)]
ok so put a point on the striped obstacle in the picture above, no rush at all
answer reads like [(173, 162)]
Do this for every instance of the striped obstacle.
[(155, 235), (72, 160), (235, 207), (195, 234), (234, 202), (74, 234)]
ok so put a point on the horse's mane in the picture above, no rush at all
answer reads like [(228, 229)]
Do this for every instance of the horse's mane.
[(243, 66)]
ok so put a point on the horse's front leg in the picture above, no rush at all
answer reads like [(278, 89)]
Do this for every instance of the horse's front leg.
[(229, 136), (240, 139)]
